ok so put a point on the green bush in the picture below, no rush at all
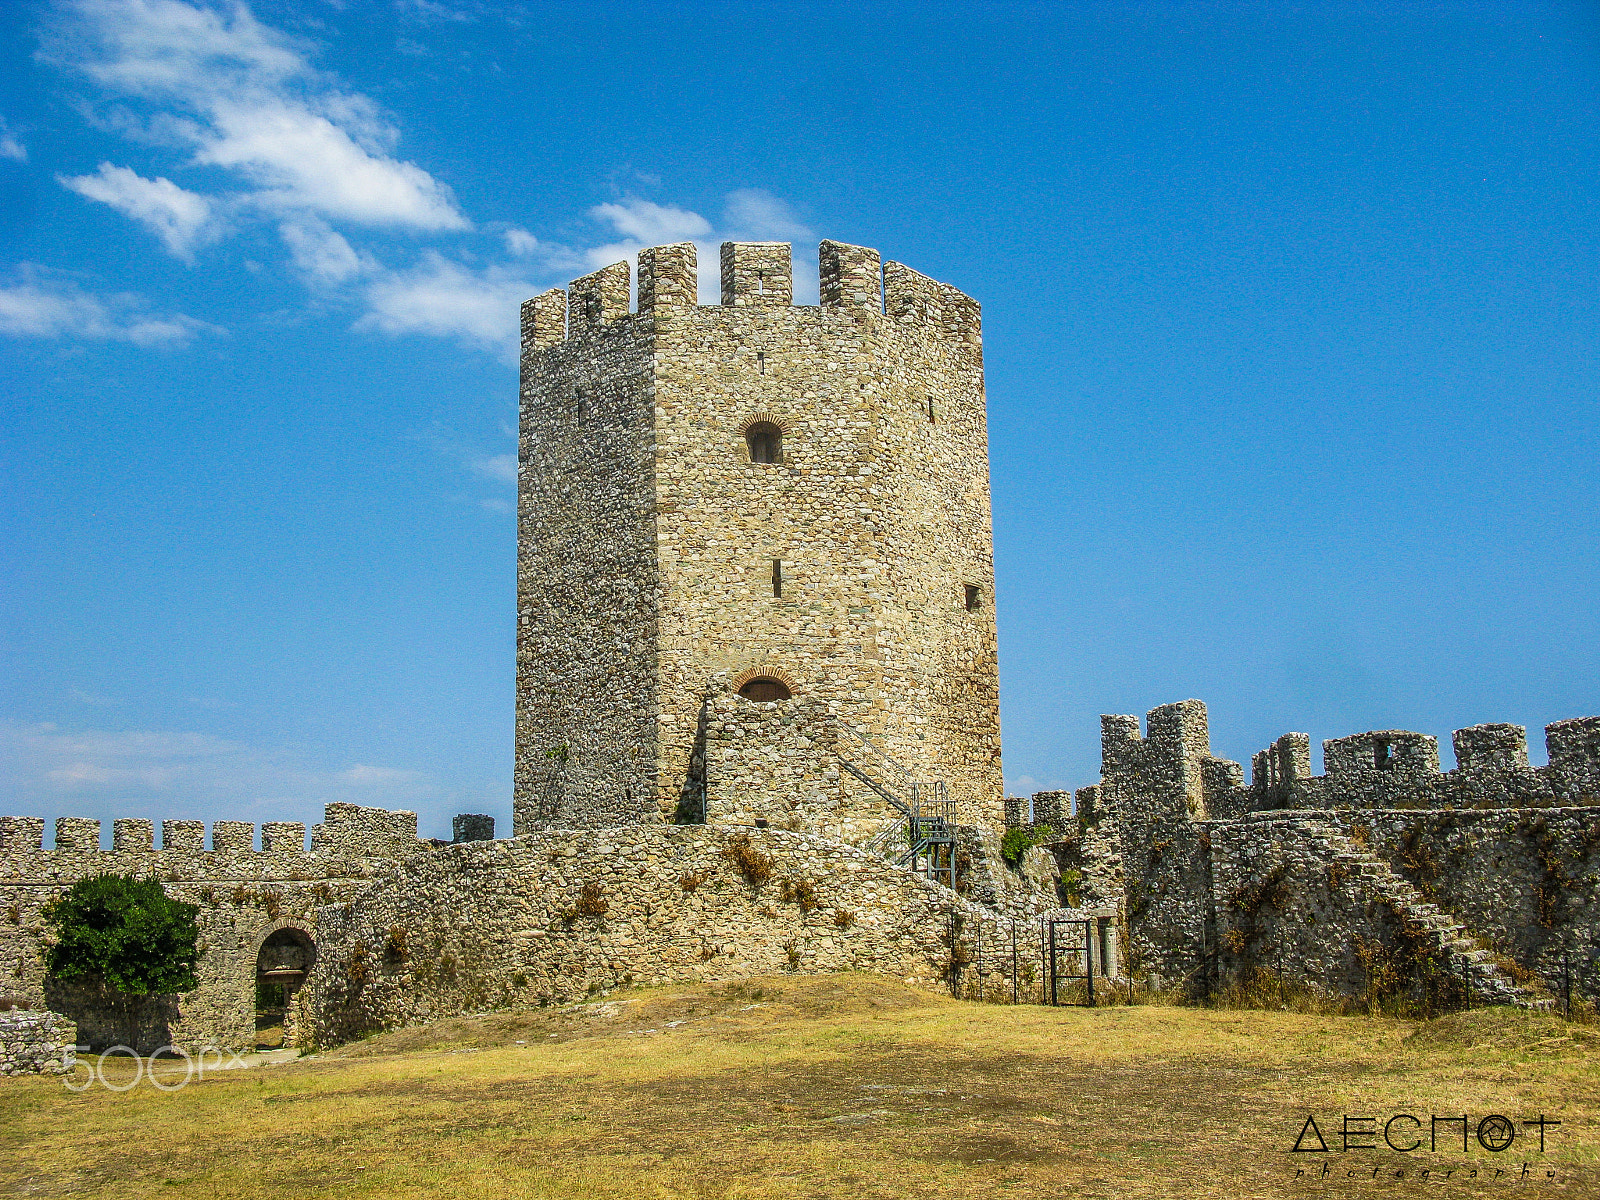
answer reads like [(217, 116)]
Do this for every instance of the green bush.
[(128, 936), (1015, 844)]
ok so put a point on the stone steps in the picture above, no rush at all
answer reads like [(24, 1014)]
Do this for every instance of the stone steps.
[(1487, 981)]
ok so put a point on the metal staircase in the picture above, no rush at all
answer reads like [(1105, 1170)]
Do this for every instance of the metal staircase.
[(923, 834)]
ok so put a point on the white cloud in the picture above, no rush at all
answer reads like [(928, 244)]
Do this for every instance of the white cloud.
[(652, 224), (754, 215), (502, 467), (303, 160), (444, 298), (73, 762), (41, 305), (520, 242), (319, 253), (179, 217), (244, 97), (10, 147), (89, 768)]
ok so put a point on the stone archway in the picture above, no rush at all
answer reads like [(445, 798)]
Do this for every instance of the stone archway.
[(283, 961)]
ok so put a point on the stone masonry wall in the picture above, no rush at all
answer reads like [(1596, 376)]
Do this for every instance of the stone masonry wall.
[(552, 916), (1527, 881), (1155, 785), (587, 589), (655, 554), (1283, 906), (244, 895), (36, 1043)]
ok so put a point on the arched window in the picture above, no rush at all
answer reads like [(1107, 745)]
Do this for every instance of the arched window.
[(764, 688), (765, 441)]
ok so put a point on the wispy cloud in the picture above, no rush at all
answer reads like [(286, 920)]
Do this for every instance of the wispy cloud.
[(178, 217), (41, 304), (227, 97), (10, 145), (443, 297), (321, 254), (502, 467), (88, 767), (238, 95)]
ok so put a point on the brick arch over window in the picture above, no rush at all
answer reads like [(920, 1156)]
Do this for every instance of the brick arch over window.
[(764, 684), (763, 434)]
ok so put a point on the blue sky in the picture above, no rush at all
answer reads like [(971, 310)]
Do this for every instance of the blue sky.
[(1290, 322)]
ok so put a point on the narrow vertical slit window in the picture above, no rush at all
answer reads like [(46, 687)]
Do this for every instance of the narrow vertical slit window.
[(974, 597), (930, 410), (777, 577), (761, 362)]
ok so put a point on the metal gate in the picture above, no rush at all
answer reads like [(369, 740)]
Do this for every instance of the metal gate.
[(1066, 948)]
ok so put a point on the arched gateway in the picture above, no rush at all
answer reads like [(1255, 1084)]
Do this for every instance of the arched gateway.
[(284, 960)]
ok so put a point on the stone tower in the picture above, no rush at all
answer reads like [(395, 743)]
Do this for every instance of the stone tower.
[(744, 527)]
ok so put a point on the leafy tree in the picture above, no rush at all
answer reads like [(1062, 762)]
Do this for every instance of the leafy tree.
[(127, 935)]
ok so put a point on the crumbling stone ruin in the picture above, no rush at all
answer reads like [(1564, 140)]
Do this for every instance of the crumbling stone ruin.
[(1382, 877)]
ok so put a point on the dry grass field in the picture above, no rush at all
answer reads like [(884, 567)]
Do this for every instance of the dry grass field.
[(847, 1086)]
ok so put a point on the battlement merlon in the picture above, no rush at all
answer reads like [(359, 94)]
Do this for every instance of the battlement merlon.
[(849, 276), (598, 298), (1574, 749), (544, 320), (1397, 751), (1491, 748), (1283, 762), (757, 275), (669, 279)]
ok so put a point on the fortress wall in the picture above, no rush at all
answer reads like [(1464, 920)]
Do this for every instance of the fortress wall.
[(242, 895), (1088, 853), (1491, 844), (1396, 768), (1284, 906), (36, 1043), (553, 916), (1527, 881), (1155, 785)]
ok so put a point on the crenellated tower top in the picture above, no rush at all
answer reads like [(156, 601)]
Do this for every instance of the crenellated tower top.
[(755, 275)]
